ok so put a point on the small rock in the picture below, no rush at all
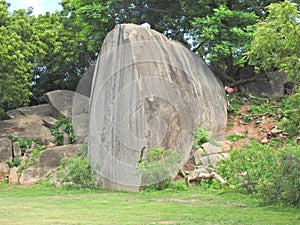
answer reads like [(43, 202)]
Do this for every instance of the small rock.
[(265, 141), (13, 175), (227, 146), (65, 135), (15, 113), (4, 171), (298, 140), (210, 148), (17, 150), (5, 149), (24, 160), (49, 121), (198, 155), (275, 131)]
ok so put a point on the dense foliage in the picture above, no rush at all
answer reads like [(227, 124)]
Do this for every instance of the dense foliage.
[(276, 42), (52, 51), (63, 126), (271, 171), (158, 167), (290, 121), (76, 172)]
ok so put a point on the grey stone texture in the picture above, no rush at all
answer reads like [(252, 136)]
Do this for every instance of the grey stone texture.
[(148, 91)]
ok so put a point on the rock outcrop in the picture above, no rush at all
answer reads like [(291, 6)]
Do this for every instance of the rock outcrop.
[(148, 91), (18, 162)]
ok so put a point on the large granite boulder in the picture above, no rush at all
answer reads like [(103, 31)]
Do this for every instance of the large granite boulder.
[(148, 92)]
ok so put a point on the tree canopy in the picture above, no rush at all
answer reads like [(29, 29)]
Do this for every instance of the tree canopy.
[(276, 41), (52, 51)]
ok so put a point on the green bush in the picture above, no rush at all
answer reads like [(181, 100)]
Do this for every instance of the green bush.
[(284, 185), (66, 124), (248, 167), (25, 143), (13, 162), (158, 167), (200, 136), (76, 172), (235, 105), (271, 172), (291, 116), (37, 150)]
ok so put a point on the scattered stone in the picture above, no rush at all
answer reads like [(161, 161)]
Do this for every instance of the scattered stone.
[(4, 171), (204, 173), (298, 140), (225, 155), (265, 141), (30, 126), (13, 177), (227, 146), (39, 110), (275, 131), (17, 150), (49, 121), (211, 148), (5, 149), (198, 155)]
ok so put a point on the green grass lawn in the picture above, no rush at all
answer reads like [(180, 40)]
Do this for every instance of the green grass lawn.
[(43, 204)]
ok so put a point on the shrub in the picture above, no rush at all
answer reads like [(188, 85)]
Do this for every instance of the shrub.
[(263, 109), (77, 172), (37, 150), (25, 143), (271, 172), (13, 162), (235, 137), (66, 124), (291, 116), (284, 185), (158, 167), (249, 166), (200, 136)]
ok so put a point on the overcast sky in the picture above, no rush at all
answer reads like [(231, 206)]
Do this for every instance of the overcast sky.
[(39, 6)]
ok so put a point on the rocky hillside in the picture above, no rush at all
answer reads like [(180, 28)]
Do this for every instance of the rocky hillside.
[(28, 149)]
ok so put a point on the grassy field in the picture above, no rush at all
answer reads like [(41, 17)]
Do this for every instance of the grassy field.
[(43, 204)]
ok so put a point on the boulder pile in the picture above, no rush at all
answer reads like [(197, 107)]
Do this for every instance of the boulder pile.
[(28, 151)]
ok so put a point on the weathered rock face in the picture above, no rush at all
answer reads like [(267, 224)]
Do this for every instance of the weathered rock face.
[(17, 163), (148, 91), (47, 161), (5, 149), (262, 86), (27, 123)]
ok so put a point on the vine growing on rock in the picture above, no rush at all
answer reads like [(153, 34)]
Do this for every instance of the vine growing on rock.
[(63, 125)]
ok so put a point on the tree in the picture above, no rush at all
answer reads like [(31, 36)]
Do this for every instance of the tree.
[(223, 37), (276, 42), (17, 47), (222, 33)]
